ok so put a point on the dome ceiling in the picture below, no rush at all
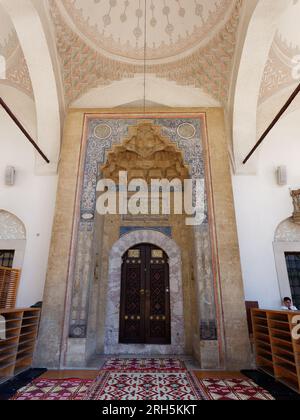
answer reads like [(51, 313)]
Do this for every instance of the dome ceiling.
[(172, 28), (191, 42), (17, 74), (284, 55), (288, 29)]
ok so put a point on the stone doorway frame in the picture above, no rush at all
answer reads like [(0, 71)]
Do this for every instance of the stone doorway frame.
[(112, 318)]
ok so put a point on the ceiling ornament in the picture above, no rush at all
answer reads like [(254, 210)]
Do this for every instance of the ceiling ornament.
[(17, 73), (117, 26), (9, 45), (278, 71), (85, 68), (208, 68)]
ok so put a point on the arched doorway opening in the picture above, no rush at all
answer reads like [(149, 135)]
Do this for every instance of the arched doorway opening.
[(156, 242), (145, 315)]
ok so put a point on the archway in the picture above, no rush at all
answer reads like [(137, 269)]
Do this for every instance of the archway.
[(112, 345), (255, 53), (158, 91), (287, 251), (32, 38)]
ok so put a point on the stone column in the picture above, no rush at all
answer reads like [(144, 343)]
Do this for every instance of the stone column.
[(231, 289), (206, 340), (50, 341)]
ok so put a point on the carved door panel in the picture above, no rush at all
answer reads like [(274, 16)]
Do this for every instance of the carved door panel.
[(145, 297)]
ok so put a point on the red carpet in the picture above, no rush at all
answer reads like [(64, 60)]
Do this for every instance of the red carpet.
[(144, 365), (54, 390), (232, 389), (143, 379), (151, 386)]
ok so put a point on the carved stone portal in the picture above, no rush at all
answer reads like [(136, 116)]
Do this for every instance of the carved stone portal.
[(146, 154), (296, 201)]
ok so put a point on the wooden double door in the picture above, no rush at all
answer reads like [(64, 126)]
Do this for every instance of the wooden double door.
[(145, 297)]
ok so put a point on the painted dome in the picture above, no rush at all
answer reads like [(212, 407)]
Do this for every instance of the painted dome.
[(171, 28)]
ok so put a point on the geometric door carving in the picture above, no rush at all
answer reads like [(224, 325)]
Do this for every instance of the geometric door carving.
[(145, 297)]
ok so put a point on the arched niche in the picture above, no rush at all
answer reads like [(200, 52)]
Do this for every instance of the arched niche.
[(287, 240), (12, 236)]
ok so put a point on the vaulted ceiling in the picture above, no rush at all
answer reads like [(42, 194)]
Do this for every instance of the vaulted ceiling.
[(101, 41), (16, 68), (170, 28), (284, 55), (214, 51)]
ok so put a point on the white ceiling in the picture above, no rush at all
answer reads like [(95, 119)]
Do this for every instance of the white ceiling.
[(289, 27), (6, 27)]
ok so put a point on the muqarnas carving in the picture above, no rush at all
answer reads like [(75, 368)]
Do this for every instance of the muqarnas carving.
[(147, 155)]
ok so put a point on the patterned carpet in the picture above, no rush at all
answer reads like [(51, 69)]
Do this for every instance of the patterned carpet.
[(144, 365), (154, 386), (233, 390), (54, 390), (143, 380)]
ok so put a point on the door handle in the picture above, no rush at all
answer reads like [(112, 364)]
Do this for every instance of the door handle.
[(142, 291)]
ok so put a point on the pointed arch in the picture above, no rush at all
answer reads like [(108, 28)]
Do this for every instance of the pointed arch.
[(32, 38), (170, 247), (259, 38)]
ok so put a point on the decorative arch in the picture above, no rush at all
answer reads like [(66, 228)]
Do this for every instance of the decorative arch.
[(288, 231), (32, 38), (256, 48), (13, 236), (159, 91), (112, 345), (11, 227), (287, 239)]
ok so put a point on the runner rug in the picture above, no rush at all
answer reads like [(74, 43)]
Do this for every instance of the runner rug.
[(151, 386), (143, 379), (141, 386), (232, 389), (144, 365), (54, 390)]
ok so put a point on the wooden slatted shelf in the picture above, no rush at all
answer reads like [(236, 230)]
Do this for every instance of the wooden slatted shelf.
[(16, 350), (9, 283), (277, 353)]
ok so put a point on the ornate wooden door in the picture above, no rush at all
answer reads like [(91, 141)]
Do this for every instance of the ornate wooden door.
[(145, 297)]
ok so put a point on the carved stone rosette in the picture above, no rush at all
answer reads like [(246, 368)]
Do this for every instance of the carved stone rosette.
[(296, 201)]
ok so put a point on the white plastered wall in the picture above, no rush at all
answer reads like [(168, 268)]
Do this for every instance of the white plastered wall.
[(261, 205), (31, 199)]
